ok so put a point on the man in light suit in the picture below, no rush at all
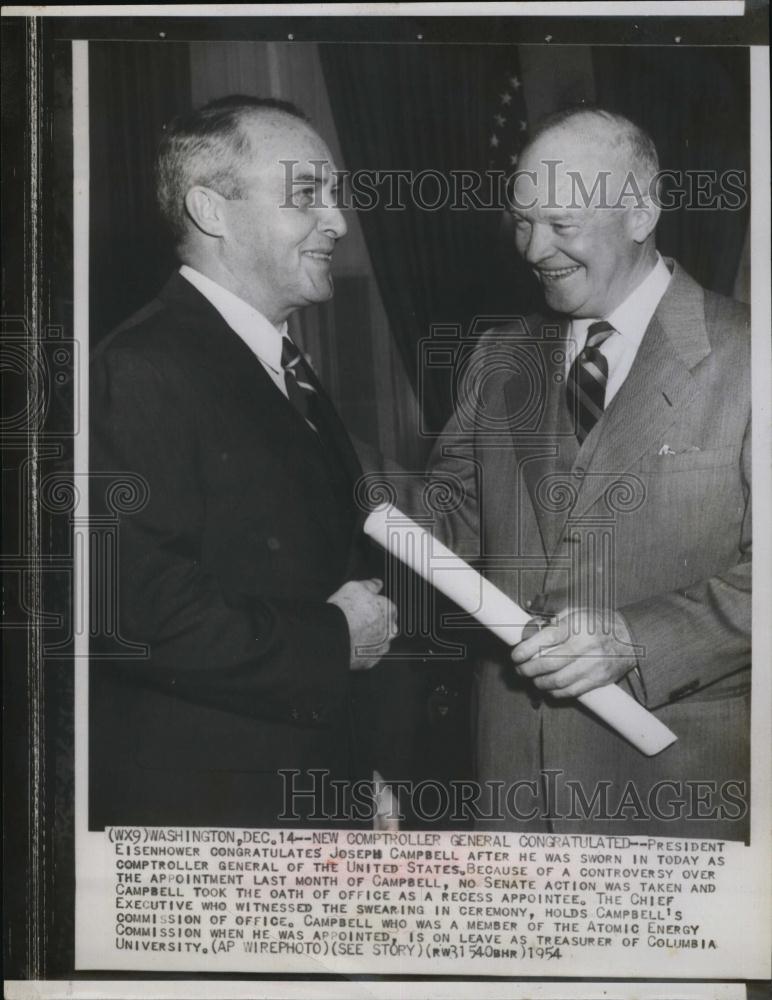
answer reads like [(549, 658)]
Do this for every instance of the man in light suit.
[(244, 573), (604, 454)]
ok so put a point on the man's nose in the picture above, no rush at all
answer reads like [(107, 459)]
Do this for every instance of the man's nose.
[(332, 222), (539, 246)]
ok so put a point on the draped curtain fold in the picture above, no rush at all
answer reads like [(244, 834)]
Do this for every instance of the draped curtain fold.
[(413, 109), (134, 89), (695, 104)]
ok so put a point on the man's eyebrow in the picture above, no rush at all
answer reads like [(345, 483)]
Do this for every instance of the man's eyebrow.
[(549, 216), (561, 217), (309, 178)]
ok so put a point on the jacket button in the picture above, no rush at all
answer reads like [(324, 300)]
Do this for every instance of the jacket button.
[(294, 715), (315, 716), (273, 544)]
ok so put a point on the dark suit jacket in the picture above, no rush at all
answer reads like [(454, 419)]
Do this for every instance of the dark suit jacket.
[(652, 516), (249, 526)]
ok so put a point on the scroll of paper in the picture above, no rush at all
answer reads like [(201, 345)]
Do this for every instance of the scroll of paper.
[(430, 559)]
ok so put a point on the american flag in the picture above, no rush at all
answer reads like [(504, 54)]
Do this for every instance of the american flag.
[(508, 122)]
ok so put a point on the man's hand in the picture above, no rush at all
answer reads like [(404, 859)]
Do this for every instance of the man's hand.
[(372, 620), (583, 650)]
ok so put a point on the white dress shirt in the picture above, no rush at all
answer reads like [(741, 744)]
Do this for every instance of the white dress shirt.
[(630, 320), (258, 333)]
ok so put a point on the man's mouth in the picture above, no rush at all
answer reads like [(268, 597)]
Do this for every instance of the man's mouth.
[(325, 255), (556, 273)]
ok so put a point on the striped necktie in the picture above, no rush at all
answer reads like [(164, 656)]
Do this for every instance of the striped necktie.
[(586, 385), (300, 391)]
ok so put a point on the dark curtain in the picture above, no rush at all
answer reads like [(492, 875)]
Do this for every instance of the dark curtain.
[(133, 89), (417, 108), (695, 104)]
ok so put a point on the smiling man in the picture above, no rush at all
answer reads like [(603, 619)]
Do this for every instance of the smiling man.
[(585, 223), (605, 458), (242, 574)]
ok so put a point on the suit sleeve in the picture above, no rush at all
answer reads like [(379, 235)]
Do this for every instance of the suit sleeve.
[(280, 659), (444, 498), (447, 497), (696, 636)]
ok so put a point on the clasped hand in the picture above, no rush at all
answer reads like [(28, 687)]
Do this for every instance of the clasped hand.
[(371, 619), (583, 649)]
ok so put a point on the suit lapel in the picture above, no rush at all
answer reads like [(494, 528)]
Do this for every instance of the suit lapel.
[(332, 464), (658, 386), (548, 450), (339, 451), (334, 433)]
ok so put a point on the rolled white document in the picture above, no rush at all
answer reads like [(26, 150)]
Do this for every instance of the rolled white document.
[(452, 576)]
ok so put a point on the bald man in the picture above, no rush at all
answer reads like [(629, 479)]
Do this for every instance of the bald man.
[(244, 574), (604, 452)]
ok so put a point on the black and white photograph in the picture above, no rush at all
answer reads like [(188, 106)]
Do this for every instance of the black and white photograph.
[(388, 401)]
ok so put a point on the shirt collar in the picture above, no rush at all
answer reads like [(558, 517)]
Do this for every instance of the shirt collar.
[(632, 317), (260, 335)]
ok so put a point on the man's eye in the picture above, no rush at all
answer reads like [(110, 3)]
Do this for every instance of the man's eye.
[(304, 196), (563, 227)]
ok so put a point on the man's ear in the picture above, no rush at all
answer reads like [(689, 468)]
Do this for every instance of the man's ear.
[(643, 218), (205, 209)]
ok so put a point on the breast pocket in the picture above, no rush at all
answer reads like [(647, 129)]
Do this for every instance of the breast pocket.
[(688, 461)]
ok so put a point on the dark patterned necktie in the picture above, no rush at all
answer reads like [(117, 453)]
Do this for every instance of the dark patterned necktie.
[(586, 385), (300, 391)]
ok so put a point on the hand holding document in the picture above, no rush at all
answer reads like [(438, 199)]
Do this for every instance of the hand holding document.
[(456, 579)]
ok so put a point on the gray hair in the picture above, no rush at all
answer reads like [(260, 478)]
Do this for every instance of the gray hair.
[(623, 134), (210, 147)]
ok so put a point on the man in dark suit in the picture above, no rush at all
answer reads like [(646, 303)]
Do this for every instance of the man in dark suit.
[(243, 574), (604, 454)]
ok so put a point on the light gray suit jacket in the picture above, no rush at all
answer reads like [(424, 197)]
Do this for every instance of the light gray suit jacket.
[(651, 516)]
